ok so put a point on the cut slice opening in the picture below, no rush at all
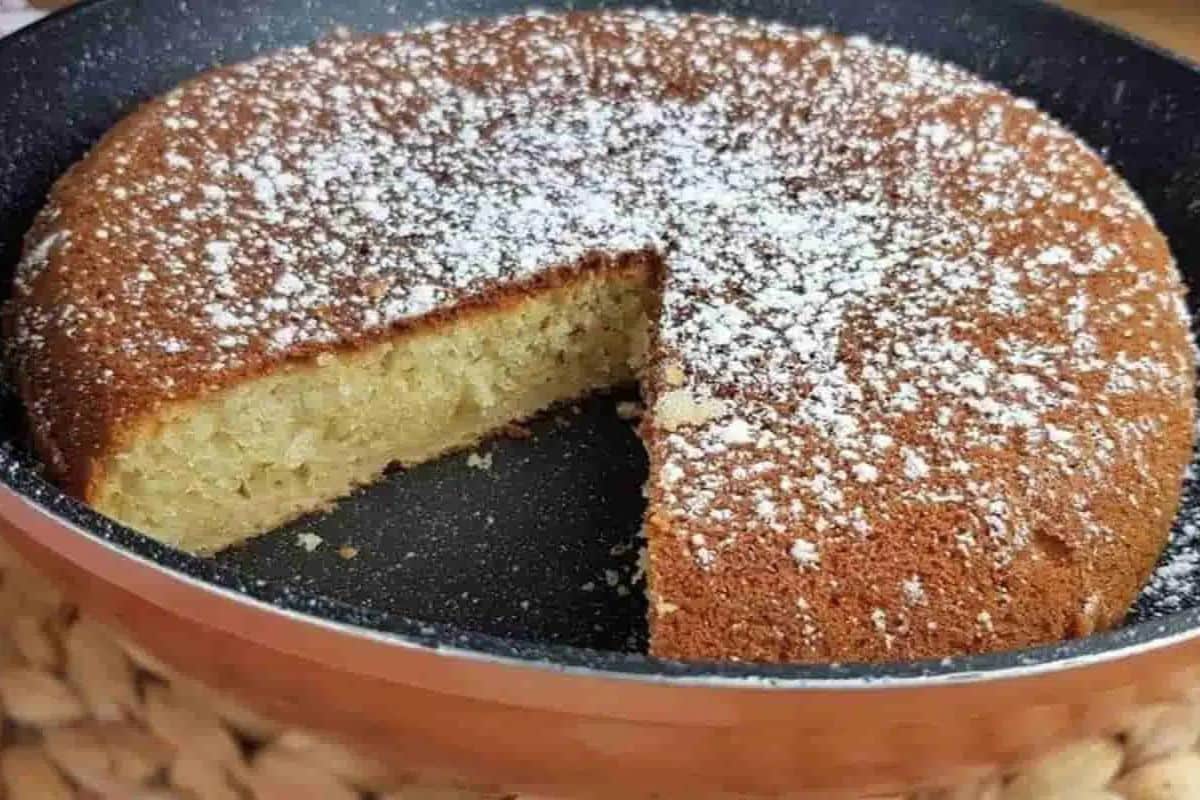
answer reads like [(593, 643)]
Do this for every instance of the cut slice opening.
[(212, 471)]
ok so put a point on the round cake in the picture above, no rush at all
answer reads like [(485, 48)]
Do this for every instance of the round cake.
[(916, 363)]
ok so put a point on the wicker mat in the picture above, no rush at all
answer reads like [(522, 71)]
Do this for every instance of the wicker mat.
[(89, 717)]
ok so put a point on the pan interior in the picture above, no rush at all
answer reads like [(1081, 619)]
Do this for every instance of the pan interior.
[(541, 546)]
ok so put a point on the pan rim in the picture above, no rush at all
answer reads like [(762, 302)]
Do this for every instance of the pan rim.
[(450, 641), (21, 483)]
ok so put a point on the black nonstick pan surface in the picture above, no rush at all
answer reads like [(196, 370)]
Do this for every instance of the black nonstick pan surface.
[(535, 556)]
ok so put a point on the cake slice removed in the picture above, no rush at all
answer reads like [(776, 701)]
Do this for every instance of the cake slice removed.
[(205, 473)]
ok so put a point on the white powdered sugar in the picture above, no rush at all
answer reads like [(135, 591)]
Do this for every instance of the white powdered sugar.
[(805, 554)]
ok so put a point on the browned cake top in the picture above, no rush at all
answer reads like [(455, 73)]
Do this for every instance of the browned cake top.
[(933, 350)]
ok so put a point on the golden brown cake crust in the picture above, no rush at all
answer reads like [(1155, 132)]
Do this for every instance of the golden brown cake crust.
[(934, 352)]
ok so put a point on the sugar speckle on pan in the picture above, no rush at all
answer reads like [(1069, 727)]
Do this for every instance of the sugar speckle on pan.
[(1175, 584)]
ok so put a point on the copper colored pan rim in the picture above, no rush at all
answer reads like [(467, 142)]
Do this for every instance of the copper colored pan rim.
[(51, 531)]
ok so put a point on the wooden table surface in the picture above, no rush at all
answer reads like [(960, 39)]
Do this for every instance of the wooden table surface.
[(1171, 23)]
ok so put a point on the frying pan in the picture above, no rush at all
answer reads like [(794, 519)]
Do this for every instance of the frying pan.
[(490, 628)]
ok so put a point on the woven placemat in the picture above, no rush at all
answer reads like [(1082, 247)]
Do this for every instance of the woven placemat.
[(87, 716)]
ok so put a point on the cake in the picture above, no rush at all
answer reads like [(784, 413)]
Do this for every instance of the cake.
[(916, 363)]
